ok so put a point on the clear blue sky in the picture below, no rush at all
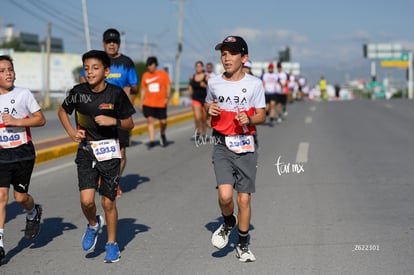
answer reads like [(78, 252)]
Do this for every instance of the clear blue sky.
[(320, 33)]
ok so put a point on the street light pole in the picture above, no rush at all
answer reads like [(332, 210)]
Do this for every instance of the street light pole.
[(176, 96)]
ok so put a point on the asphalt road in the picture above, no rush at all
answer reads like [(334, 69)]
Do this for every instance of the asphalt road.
[(335, 195)]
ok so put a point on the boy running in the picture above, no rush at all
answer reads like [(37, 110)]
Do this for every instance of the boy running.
[(19, 111), (236, 102), (101, 109)]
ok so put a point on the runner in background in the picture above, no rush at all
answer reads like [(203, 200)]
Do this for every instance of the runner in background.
[(155, 93), (197, 90), (281, 93), (269, 80)]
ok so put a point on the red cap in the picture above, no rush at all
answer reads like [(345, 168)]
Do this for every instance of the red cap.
[(270, 65)]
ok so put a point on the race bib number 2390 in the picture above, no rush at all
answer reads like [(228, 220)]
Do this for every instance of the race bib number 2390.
[(240, 144)]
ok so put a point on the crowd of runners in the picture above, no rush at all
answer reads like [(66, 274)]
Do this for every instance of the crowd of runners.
[(231, 103)]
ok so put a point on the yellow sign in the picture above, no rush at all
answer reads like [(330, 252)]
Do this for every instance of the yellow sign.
[(395, 63)]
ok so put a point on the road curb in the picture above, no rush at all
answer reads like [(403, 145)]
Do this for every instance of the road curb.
[(68, 148)]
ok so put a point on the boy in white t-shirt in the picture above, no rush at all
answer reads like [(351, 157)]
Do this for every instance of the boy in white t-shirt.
[(236, 103), (19, 111)]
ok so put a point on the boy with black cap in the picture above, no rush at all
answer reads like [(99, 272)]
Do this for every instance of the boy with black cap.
[(236, 103), (122, 74), (155, 92)]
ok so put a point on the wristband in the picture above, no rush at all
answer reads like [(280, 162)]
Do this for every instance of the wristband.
[(250, 121)]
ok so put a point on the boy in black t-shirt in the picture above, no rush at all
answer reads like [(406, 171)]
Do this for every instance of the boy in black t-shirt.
[(101, 108)]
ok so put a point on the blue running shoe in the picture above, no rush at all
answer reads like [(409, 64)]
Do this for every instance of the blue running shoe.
[(91, 235), (112, 253)]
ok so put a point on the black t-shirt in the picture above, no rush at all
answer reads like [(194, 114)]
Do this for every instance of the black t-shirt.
[(199, 93), (112, 101)]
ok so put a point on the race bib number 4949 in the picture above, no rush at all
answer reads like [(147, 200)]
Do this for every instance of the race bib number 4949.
[(11, 137), (240, 144)]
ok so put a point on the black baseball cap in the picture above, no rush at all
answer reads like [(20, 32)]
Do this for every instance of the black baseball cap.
[(111, 35), (236, 44)]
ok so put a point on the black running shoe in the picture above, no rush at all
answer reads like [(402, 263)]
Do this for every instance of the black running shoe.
[(2, 254), (163, 141), (33, 226)]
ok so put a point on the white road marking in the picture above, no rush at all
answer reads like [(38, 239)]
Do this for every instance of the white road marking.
[(308, 120), (302, 154), (52, 169), (313, 108)]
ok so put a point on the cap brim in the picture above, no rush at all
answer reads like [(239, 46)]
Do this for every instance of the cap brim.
[(218, 46), (221, 45)]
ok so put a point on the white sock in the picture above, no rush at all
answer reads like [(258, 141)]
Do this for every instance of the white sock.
[(1, 237), (32, 213)]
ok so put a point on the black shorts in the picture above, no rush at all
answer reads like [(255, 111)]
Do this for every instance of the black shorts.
[(159, 113), (270, 97), (17, 174), (281, 99), (90, 170), (124, 138)]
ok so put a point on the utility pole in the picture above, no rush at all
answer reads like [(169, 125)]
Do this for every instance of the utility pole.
[(176, 96), (410, 75), (47, 79), (86, 26)]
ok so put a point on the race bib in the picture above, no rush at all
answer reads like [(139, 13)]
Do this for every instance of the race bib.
[(106, 149), (11, 137), (240, 144), (154, 87)]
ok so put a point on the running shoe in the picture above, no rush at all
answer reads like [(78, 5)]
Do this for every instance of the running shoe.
[(220, 237), (244, 254), (163, 141), (112, 253), (151, 144), (2, 254), (279, 120), (91, 235), (33, 226)]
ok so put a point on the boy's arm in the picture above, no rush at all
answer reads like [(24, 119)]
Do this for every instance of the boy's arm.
[(75, 135), (124, 124), (36, 120)]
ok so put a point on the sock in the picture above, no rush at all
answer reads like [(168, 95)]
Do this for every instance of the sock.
[(32, 213), (243, 236), (230, 220), (1, 237)]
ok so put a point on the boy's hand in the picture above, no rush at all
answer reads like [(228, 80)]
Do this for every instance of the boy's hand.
[(79, 136), (8, 119), (102, 120), (214, 109)]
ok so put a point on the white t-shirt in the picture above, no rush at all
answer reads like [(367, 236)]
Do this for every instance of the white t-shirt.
[(244, 95), (269, 82), (20, 103)]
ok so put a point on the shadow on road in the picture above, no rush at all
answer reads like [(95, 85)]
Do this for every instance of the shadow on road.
[(131, 182), (50, 229)]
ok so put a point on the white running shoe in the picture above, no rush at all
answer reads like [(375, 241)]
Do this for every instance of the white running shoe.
[(220, 237), (244, 254)]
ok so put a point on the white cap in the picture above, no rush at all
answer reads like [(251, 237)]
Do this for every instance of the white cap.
[(248, 64)]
